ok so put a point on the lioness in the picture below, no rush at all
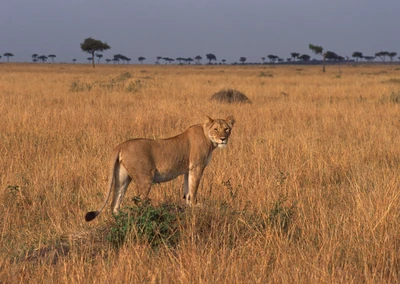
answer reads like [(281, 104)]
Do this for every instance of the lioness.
[(149, 161)]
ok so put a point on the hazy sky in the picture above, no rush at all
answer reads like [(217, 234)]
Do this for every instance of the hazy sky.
[(186, 28)]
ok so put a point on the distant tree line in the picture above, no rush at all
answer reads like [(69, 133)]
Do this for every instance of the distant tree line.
[(95, 48)]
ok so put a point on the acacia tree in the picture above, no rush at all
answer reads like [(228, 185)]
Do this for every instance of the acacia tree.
[(272, 58), (357, 55), (304, 57), (118, 57), (92, 46), (34, 57), (318, 50), (8, 55), (74, 60), (158, 59), (369, 58), (330, 55), (99, 56), (52, 56), (382, 55), (211, 57), (242, 59), (43, 58), (168, 60), (198, 58), (294, 55), (391, 55), (141, 59), (179, 59)]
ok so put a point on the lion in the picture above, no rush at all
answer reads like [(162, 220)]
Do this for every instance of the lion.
[(148, 161)]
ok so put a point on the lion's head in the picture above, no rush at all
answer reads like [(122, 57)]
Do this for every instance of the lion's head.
[(218, 130)]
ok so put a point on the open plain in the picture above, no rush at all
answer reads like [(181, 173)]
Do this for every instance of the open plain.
[(307, 190)]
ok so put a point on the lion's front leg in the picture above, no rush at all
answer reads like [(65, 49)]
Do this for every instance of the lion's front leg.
[(194, 177), (185, 185)]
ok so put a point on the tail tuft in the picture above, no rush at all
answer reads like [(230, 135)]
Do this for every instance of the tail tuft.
[(91, 215)]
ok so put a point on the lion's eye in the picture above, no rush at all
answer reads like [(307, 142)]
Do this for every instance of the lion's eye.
[(227, 130)]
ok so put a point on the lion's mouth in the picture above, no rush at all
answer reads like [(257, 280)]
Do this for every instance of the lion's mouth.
[(220, 142), (223, 143)]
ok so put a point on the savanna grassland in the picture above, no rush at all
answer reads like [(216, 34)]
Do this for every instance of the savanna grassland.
[(307, 190)]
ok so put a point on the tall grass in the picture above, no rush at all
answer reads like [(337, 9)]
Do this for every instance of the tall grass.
[(307, 190)]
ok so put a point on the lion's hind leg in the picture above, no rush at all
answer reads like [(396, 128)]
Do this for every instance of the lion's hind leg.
[(121, 183)]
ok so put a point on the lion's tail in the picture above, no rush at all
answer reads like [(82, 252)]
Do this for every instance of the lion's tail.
[(93, 214)]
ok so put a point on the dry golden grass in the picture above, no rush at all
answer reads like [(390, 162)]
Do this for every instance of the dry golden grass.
[(326, 145)]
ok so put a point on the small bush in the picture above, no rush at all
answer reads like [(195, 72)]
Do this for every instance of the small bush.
[(156, 226), (77, 86)]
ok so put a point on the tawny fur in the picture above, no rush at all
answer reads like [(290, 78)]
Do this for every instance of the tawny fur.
[(149, 161)]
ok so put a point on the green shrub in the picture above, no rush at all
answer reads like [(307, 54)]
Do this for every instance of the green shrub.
[(156, 226)]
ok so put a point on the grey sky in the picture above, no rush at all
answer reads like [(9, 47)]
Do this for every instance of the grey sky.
[(186, 28)]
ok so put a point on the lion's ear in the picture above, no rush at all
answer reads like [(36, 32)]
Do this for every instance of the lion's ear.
[(208, 120), (230, 120)]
